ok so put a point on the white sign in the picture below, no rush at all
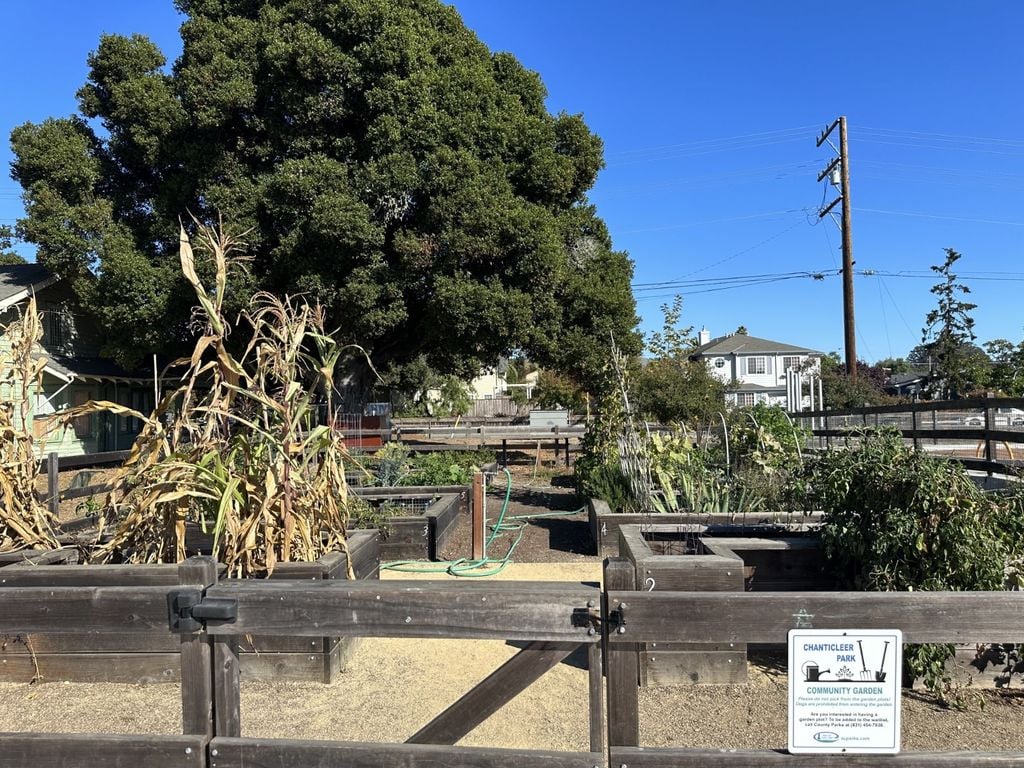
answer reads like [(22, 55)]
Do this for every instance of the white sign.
[(844, 690)]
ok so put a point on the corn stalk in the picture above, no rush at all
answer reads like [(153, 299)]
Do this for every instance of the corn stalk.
[(235, 449), (24, 521)]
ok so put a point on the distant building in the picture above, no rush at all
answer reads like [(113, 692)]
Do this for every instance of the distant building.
[(75, 372), (756, 368)]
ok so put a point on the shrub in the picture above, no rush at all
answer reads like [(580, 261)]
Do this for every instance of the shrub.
[(898, 519)]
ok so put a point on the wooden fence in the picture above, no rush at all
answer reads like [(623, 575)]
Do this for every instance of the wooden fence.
[(553, 619), (983, 434)]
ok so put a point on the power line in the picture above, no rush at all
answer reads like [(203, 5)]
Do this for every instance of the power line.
[(920, 215), (758, 136), (812, 275), (709, 221), (943, 136)]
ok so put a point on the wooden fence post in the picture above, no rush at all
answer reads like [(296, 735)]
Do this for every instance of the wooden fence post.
[(53, 482), (621, 661), (989, 453), (477, 531), (935, 425), (914, 425), (227, 709), (196, 656)]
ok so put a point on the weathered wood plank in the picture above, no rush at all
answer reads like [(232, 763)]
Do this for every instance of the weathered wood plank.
[(509, 610), (142, 668), (83, 750), (595, 680), (90, 576), (492, 693), (88, 490), (197, 708), (706, 758), (129, 611), (26, 558), (621, 663), (151, 668), (227, 705), (267, 753), (766, 617)]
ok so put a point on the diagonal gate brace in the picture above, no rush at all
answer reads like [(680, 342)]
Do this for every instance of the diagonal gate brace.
[(492, 693)]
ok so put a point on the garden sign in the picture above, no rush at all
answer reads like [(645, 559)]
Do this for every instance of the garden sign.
[(844, 690)]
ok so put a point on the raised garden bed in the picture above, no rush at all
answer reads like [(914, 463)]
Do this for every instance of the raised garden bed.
[(691, 559), (605, 523), (420, 521), (104, 658)]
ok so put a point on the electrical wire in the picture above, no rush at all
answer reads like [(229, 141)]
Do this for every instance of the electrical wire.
[(938, 216), (769, 214)]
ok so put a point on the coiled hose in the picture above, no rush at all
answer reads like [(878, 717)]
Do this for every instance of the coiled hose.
[(474, 568)]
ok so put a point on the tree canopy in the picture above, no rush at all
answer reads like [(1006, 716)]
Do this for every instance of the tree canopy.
[(379, 158)]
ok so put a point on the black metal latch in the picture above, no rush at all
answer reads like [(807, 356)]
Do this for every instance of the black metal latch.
[(187, 609)]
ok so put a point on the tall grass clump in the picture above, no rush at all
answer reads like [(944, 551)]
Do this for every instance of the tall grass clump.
[(236, 448), (25, 522)]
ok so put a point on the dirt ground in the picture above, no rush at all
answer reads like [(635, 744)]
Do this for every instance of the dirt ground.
[(391, 687)]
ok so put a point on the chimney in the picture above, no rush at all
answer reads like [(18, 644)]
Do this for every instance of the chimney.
[(703, 337)]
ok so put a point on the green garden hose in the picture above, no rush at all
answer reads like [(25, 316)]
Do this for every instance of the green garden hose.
[(472, 568)]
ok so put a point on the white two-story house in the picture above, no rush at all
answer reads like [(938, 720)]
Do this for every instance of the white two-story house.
[(756, 368)]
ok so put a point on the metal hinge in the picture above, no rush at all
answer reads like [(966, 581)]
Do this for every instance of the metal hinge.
[(188, 610)]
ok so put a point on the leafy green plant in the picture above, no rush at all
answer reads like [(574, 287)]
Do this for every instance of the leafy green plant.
[(446, 467), (897, 519)]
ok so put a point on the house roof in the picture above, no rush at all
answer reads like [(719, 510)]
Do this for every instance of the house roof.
[(902, 379), (96, 368), (758, 388), (742, 344), (17, 281)]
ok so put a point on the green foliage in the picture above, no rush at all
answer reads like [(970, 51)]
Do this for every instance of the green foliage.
[(949, 335), (7, 256), (840, 391), (446, 467), (679, 390), (897, 519), (382, 161), (612, 441), (554, 390), (395, 465), (453, 398), (671, 387), (1007, 372)]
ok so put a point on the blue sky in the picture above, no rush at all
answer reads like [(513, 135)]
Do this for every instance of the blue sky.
[(709, 113)]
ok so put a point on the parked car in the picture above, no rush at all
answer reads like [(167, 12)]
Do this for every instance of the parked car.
[(1001, 417)]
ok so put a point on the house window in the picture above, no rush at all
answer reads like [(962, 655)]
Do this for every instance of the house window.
[(790, 363), (745, 398), (83, 425), (54, 328), (719, 362), (758, 365)]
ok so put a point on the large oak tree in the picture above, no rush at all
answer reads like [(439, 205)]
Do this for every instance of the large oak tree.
[(380, 159)]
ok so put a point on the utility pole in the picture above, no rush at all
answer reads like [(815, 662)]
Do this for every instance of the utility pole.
[(843, 164)]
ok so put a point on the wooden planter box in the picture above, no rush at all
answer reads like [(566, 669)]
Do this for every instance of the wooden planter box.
[(605, 523), (90, 658), (425, 524), (687, 558)]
